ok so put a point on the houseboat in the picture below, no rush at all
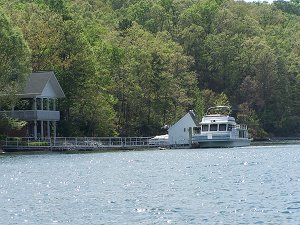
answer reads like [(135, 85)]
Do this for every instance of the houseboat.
[(219, 129)]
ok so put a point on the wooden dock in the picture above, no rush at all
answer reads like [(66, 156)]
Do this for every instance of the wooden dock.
[(24, 144)]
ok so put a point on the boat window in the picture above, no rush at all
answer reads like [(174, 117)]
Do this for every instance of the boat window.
[(205, 127), (213, 127), (197, 130), (222, 127)]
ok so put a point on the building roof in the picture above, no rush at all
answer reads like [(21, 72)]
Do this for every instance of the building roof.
[(191, 116), (194, 117), (42, 84)]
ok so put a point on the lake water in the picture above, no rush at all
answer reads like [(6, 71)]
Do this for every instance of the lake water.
[(250, 185)]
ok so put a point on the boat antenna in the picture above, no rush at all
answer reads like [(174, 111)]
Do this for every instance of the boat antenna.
[(221, 109)]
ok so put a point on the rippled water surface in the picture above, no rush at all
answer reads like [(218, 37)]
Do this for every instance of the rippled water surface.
[(252, 185)]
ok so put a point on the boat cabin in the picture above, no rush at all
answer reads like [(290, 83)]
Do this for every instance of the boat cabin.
[(219, 124), (219, 130)]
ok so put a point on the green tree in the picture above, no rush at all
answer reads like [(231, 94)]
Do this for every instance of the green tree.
[(222, 100), (14, 61), (212, 99), (88, 106), (154, 76), (14, 67), (132, 66), (246, 115)]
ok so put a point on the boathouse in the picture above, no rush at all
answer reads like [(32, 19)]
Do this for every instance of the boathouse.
[(37, 105), (179, 133)]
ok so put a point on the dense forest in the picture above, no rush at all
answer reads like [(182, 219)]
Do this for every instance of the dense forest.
[(129, 67)]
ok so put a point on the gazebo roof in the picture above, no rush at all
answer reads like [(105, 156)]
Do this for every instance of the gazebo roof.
[(42, 84)]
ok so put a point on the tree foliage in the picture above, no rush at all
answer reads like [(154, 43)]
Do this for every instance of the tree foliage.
[(14, 58), (131, 67)]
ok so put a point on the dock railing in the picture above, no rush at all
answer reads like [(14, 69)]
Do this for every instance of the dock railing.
[(26, 141), (85, 143)]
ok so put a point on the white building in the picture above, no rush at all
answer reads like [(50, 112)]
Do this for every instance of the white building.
[(179, 133)]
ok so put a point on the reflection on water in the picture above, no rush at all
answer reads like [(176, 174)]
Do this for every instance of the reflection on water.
[(256, 184)]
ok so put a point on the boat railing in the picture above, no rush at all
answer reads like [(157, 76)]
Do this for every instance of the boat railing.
[(241, 126), (219, 110)]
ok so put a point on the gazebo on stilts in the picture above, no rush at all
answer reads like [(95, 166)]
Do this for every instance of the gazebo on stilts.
[(40, 95)]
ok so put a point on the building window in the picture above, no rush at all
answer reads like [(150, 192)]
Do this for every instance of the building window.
[(184, 129)]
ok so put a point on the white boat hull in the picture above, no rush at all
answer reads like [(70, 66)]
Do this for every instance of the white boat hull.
[(221, 143)]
